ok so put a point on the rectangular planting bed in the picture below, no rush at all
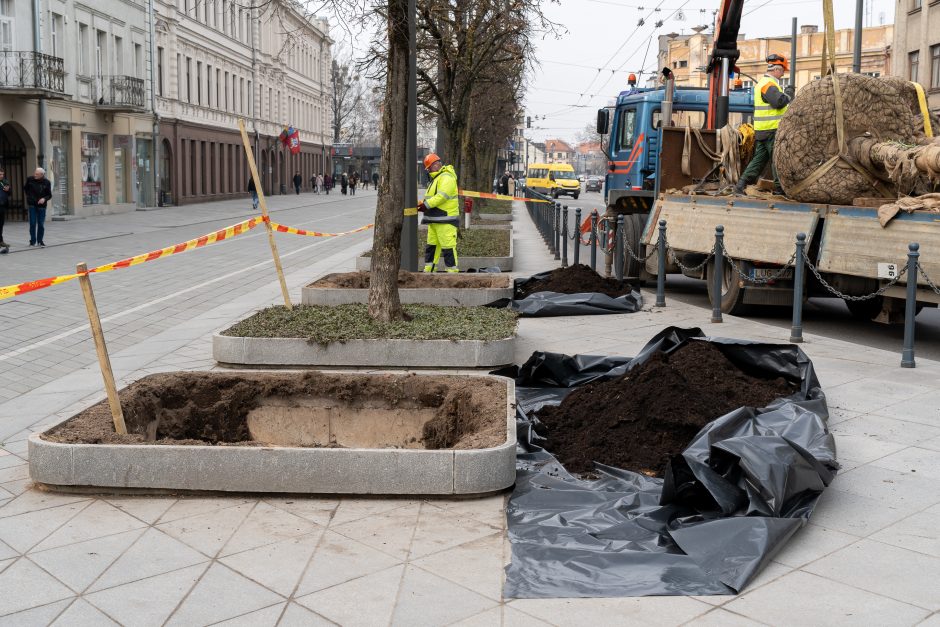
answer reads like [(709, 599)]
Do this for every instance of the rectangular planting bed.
[(345, 335), (490, 209), (446, 290), (476, 248), (294, 432)]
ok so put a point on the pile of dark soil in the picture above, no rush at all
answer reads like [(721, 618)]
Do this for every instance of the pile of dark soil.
[(641, 420), (200, 408), (360, 280), (576, 280)]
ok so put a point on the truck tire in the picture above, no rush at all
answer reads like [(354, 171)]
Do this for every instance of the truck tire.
[(732, 294), (576, 196), (632, 233)]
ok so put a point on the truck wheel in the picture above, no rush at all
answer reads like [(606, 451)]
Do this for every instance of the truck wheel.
[(576, 196), (632, 233), (732, 294)]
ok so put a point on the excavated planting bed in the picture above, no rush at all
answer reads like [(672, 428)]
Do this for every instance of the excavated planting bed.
[(641, 420), (291, 432), (575, 280)]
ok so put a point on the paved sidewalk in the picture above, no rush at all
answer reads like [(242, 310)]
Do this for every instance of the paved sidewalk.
[(871, 554)]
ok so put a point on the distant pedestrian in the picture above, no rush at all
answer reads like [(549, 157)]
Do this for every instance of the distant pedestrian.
[(365, 182), (375, 180), (253, 191), (344, 184), (313, 183), (319, 182), (352, 184), (38, 192), (327, 183), (5, 189), (511, 185), (298, 181), (503, 186)]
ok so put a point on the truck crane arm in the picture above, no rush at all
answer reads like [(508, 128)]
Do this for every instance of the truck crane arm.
[(723, 57)]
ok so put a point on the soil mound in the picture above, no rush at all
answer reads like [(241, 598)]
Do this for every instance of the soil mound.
[(360, 280), (649, 415), (576, 280), (200, 408)]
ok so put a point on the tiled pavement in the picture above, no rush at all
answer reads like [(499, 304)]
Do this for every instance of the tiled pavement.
[(871, 554)]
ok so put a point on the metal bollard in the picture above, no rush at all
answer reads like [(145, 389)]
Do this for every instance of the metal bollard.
[(618, 249), (910, 308), (719, 266), (796, 329), (661, 271), (594, 240), (564, 236), (556, 236), (577, 235)]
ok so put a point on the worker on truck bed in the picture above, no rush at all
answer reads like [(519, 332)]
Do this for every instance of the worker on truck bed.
[(770, 103), (441, 214)]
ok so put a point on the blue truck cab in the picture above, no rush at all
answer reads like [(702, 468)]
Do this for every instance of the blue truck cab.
[(636, 138)]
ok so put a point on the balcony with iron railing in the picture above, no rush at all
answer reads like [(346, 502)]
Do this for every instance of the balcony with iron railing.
[(121, 93), (31, 74)]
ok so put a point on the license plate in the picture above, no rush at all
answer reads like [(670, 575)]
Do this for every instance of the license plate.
[(771, 273)]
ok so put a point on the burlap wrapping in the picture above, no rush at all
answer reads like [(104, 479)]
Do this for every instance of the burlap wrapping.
[(884, 109)]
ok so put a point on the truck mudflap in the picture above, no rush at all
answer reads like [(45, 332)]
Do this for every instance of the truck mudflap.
[(756, 230), (629, 201), (854, 243)]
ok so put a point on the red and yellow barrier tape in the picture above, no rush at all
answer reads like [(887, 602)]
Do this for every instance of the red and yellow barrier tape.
[(280, 228), (228, 232), (470, 194)]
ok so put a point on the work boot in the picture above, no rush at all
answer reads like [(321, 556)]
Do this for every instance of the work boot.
[(739, 189), (778, 191)]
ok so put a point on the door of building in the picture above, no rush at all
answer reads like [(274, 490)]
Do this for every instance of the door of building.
[(13, 161)]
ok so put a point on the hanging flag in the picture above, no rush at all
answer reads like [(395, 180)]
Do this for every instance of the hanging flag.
[(283, 136), (293, 140)]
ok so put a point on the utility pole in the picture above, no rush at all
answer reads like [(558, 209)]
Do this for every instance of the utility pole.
[(409, 232), (155, 147), (43, 123)]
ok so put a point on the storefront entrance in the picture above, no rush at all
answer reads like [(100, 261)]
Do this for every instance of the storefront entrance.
[(13, 161)]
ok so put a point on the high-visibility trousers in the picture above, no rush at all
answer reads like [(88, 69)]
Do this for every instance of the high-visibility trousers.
[(442, 242)]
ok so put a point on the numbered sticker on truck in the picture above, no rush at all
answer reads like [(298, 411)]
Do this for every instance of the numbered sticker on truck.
[(887, 271)]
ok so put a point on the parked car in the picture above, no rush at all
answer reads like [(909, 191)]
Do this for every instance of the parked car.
[(594, 184), (581, 178)]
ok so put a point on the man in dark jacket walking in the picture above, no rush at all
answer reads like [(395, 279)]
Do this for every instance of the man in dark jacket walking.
[(298, 181), (5, 189), (38, 192)]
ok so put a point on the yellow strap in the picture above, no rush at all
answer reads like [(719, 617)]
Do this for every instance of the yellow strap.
[(411, 211), (922, 101)]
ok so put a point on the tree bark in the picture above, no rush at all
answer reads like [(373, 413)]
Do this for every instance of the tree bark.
[(384, 302)]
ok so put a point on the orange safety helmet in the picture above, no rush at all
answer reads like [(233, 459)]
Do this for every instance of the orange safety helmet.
[(430, 159), (778, 59)]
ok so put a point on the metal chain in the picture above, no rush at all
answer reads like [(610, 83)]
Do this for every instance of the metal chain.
[(685, 268), (879, 292), (765, 281), (628, 250), (923, 273)]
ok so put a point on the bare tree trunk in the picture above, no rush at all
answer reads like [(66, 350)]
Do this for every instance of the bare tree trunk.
[(384, 303)]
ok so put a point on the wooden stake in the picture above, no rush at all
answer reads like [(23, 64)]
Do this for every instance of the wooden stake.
[(104, 362), (264, 212)]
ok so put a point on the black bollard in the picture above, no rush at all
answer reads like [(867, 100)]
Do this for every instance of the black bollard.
[(719, 272), (556, 236), (618, 249), (910, 307), (796, 329), (564, 236), (594, 240), (577, 235), (661, 271)]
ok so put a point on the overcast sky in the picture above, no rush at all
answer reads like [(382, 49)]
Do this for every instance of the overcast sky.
[(567, 87)]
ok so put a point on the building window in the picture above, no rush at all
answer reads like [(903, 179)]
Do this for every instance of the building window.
[(83, 49), (913, 61), (916, 4), (251, 99), (199, 82), (55, 32), (118, 56), (138, 61), (683, 63), (209, 85), (92, 169), (225, 90), (935, 66), (218, 75), (159, 71)]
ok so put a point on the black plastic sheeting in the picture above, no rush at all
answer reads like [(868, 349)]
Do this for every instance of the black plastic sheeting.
[(547, 304), (745, 484)]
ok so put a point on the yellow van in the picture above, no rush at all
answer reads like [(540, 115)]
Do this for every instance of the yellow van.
[(554, 179)]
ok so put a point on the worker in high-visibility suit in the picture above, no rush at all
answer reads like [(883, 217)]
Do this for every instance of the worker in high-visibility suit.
[(770, 103), (441, 214)]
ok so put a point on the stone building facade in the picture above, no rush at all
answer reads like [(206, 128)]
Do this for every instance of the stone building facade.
[(221, 61), (686, 55), (76, 103), (917, 42)]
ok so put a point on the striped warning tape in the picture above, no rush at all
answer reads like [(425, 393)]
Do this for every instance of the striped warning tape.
[(470, 194), (280, 228), (228, 232)]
